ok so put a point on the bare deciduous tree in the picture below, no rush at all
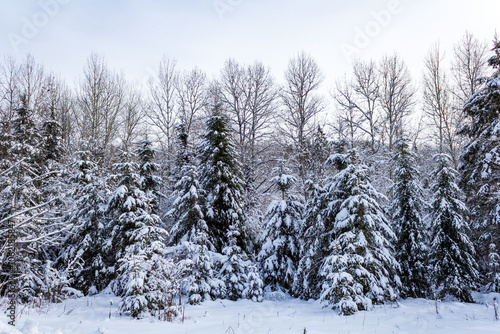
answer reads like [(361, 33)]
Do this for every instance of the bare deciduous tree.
[(99, 102), (347, 119), (9, 89), (302, 103), (133, 116), (32, 83), (470, 64), (249, 94), (60, 104), (358, 98), (396, 96), (192, 95), (162, 104), (438, 104)]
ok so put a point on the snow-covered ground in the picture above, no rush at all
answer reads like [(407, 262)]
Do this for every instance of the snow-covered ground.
[(91, 315)]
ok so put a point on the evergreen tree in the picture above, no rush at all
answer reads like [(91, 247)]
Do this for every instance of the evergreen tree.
[(25, 207), (493, 275), (406, 211), (281, 246), (146, 280), (189, 234), (187, 199), (322, 207), (360, 269), (454, 269), (233, 272), (220, 178), (254, 289), (149, 182), (83, 254), (319, 151), (479, 164)]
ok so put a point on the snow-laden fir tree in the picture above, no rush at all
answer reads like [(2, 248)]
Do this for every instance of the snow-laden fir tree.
[(220, 178), (146, 280), (187, 197), (306, 283), (255, 285), (319, 151), (406, 213), (233, 271), (83, 254), (149, 182), (453, 266), (480, 162), (189, 236), (493, 274), (321, 209), (280, 251), (360, 269)]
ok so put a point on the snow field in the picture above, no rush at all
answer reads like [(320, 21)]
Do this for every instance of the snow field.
[(91, 315)]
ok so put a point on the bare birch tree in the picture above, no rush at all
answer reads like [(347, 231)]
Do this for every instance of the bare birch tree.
[(301, 103), (438, 104), (470, 63), (99, 102), (249, 94), (396, 96), (192, 97), (162, 107)]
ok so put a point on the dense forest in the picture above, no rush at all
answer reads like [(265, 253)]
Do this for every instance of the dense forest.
[(247, 186)]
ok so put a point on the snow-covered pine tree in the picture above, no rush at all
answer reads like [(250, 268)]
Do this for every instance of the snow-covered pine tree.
[(480, 162), (280, 251), (146, 280), (233, 271), (220, 178), (360, 269), (453, 266), (83, 255), (189, 234), (406, 213)]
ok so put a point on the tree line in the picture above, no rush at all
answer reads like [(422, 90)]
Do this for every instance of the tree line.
[(237, 186)]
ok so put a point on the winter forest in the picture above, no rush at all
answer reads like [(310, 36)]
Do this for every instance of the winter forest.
[(245, 185)]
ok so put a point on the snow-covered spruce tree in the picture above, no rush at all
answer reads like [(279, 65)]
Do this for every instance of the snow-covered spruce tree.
[(233, 271), (360, 269), (306, 283), (319, 151), (220, 178), (321, 209), (146, 280), (189, 235), (187, 197), (453, 266), (255, 285), (149, 182), (279, 255), (83, 255), (406, 213), (493, 274), (480, 162)]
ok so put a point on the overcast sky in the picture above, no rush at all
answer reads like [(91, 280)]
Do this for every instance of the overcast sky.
[(133, 35)]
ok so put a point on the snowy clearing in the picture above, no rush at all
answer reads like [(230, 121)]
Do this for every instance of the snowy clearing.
[(91, 315)]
